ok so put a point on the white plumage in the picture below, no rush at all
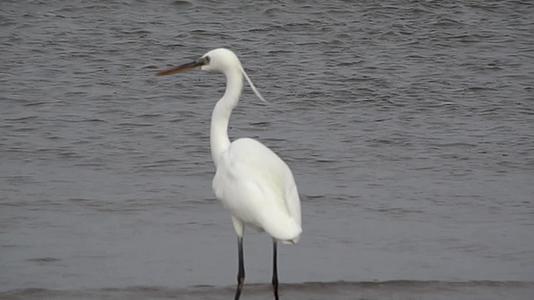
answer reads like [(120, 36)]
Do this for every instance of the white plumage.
[(259, 189), (251, 180)]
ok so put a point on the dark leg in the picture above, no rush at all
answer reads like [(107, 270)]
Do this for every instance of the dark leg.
[(241, 271), (275, 271)]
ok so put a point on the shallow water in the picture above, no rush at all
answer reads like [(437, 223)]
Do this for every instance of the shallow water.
[(310, 291), (409, 127)]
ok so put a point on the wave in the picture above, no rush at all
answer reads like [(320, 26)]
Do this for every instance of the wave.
[(339, 290)]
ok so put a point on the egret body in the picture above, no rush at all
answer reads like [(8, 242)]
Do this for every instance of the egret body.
[(251, 181)]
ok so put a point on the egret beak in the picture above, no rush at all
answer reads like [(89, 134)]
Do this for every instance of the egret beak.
[(185, 67)]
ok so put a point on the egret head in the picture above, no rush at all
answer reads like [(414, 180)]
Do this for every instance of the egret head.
[(217, 60), (220, 60)]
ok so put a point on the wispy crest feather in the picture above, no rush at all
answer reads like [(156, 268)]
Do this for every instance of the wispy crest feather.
[(253, 87)]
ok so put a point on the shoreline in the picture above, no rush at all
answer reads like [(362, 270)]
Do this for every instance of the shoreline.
[(340, 290)]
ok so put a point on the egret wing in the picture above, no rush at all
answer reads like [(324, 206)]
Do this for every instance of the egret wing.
[(259, 188)]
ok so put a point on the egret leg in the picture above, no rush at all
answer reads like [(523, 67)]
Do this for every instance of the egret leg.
[(241, 270), (275, 271)]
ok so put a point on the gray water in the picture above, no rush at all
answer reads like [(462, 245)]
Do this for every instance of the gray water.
[(408, 125)]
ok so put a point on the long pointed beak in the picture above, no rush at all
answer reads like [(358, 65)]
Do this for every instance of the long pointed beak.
[(183, 68)]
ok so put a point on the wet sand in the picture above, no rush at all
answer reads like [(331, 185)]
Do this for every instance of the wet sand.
[(398, 290)]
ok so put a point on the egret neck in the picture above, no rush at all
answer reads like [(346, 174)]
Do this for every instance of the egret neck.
[(221, 114)]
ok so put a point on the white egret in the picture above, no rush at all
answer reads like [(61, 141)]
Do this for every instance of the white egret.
[(251, 180)]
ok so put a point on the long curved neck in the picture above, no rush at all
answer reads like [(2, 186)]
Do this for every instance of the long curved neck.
[(221, 114)]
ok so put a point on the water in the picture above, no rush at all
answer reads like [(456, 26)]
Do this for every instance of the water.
[(409, 127)]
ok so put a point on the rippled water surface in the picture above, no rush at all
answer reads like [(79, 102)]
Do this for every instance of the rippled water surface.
[(409, 126)]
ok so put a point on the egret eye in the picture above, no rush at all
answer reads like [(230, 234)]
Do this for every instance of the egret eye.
[(206, 60)]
